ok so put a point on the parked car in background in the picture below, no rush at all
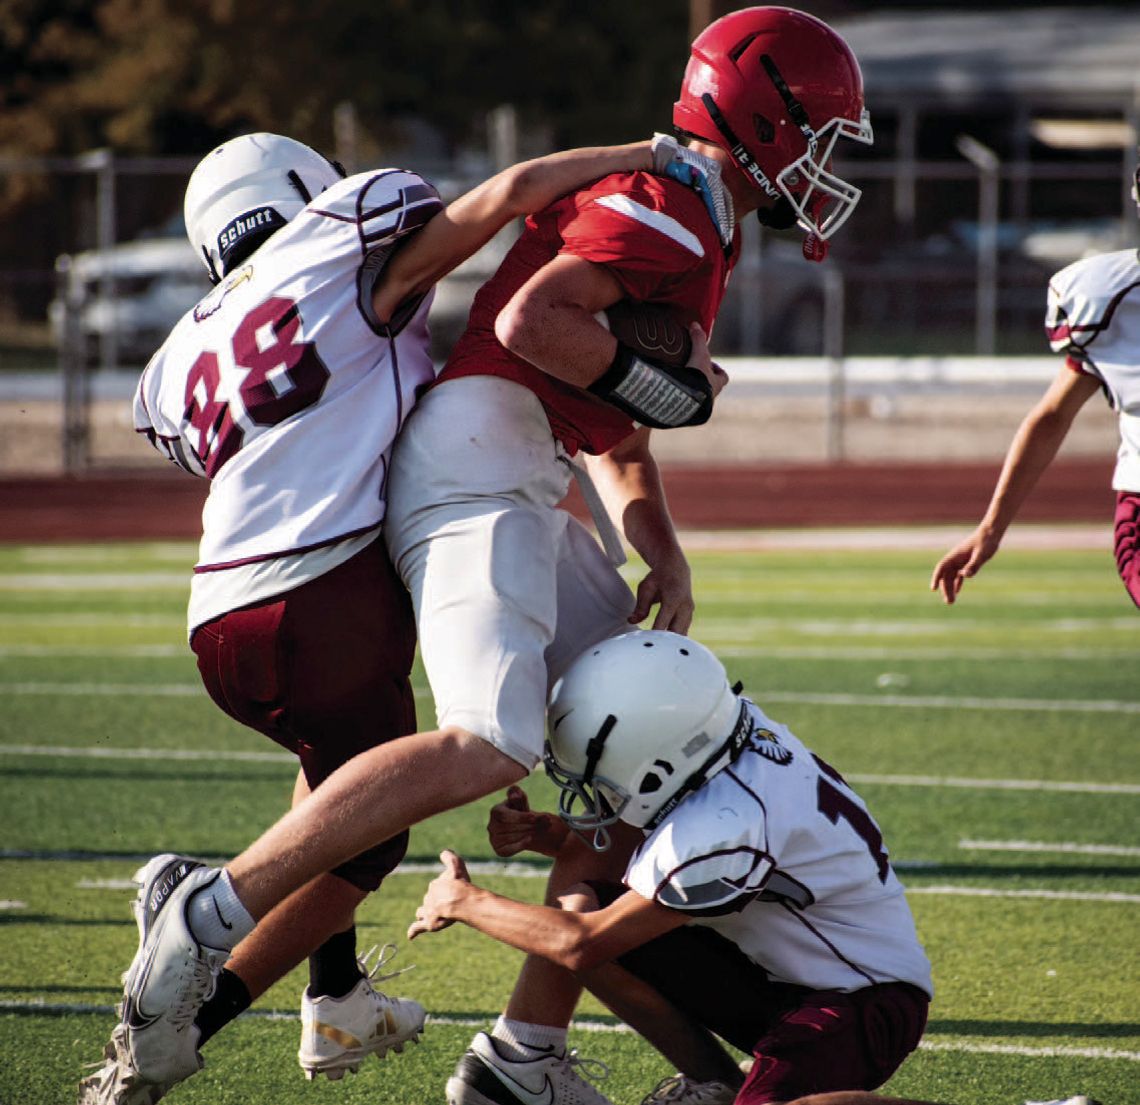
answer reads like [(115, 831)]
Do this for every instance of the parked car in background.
[(138, 290)]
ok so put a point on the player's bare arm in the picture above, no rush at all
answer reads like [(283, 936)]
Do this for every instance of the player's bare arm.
[(473, 219), (550, 321), (572, 939), (1033, 448), (629, 482)]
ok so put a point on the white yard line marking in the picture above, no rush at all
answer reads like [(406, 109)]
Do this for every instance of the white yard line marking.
[(12, 903), (966, 652), (951, 702), (134, 652), (228, 755), (1051, 895), (1061, 848), (996, 784), (716, 630), (200, 754), (46, 1008), (93, 621), (93, 581), (1063, 1050), (922, 702), (891, 539), (125, 690)]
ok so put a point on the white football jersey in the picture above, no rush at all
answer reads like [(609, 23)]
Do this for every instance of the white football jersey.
[(283, 389), (1094, 317), (778, 854)]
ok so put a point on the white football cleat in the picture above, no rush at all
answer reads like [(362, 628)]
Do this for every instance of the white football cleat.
[(116, 1082), (679, 1090), (171, 976), (485, 1076), (1078, 1099), (338, 1034)]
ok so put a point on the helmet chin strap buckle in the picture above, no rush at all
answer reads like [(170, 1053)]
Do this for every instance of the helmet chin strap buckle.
[(814, 247)]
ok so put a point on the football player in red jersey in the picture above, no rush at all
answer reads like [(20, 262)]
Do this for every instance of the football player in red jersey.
[(507, 588), (506, 591)]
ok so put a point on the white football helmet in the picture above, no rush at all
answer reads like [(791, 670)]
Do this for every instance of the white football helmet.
[(636, 724), (247, 188)]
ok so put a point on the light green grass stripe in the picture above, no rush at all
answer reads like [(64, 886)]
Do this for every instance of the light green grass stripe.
[(925, 702)]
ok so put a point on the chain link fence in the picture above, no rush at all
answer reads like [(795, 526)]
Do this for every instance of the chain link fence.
[(943, 260)]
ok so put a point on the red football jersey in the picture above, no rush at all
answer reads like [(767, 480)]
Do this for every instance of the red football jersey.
[(658, 240)]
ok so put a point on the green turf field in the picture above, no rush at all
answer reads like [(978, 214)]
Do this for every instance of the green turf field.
[(996, 742)]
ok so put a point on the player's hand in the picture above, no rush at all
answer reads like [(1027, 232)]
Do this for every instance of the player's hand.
[(442, 894), (962, 562), (669, 587), (514, 827), (703, 362)]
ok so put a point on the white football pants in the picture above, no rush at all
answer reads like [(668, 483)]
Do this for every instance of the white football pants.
[(507, 588)]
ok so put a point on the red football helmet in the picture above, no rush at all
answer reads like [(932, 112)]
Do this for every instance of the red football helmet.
[(777, 88)]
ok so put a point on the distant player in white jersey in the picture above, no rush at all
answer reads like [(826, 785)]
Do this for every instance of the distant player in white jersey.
[(285, 387), (1094, 319), (759, 907)]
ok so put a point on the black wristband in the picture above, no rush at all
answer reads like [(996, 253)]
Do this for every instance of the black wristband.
[(653, 393)]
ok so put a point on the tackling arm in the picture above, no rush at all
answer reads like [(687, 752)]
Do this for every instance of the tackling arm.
[(574, 940), (1034, 446), (473, 219)]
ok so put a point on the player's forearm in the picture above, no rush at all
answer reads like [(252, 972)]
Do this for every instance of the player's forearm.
[(534, 929), (533, 185), (467, 224), (1032, 451), (629, 483)]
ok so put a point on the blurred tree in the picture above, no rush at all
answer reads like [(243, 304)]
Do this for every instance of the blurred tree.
[(172, 76)]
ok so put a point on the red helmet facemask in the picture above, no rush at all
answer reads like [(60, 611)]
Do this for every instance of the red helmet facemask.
[(777, 88)]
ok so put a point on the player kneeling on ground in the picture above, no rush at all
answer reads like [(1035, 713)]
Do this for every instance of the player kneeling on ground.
[(759, 908)]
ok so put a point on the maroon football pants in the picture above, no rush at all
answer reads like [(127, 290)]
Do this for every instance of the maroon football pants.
[(323, 670), (1126, 535), (803, 1041)]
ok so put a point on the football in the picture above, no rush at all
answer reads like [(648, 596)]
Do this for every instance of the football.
[(649, 329)]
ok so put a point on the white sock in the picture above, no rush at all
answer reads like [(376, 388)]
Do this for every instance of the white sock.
[(522, 1039), (216, 916)]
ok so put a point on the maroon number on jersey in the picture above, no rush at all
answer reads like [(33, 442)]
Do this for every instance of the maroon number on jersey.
[(283, 376)]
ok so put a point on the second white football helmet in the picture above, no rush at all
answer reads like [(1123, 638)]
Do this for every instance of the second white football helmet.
[(637, 723), (247, 188)]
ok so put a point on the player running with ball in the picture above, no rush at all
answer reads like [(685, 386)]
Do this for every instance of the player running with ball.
[(507, 588)]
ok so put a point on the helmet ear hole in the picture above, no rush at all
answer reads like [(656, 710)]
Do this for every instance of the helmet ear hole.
[(765, 130), (650, 783)]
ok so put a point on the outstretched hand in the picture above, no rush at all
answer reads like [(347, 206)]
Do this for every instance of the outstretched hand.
[(514, 827), (443, 892), (961, 562)]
